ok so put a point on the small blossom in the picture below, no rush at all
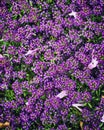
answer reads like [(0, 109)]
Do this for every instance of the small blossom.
[(1, 56), (27, 103), (102, 119), (77, 105), (93, 63), (62, 94), (73, 14), (31, 52)]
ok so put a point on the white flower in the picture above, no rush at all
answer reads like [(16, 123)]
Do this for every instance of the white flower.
[(27, 103), (1, 56), (29, 52), (73, 14), (77, 105), (62, 94), (94, 61), (102, 120)]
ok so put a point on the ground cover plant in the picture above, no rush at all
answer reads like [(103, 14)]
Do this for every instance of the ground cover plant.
[(52, 64)]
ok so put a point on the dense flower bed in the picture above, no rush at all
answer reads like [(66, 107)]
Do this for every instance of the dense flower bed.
[(52, 65)]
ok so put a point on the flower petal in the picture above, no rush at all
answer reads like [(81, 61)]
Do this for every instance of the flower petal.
[(62, 94)]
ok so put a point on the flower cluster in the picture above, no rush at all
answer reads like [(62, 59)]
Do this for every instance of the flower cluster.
[(52, 64)]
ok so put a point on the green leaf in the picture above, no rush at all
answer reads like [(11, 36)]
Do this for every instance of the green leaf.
[(17, 110), (14, 17), (101, 125), (97, 39), (9, 95), (30, 74), (66, 30), (102, 58), (1, 40), (47, 126), (22, 12), (17, 44), (39, 7), (26, 92), (52, 38), (38, 23), (10, 10), (68, 2), (69, 128), (49, 1), (43, 97), (31, 4), (96, 18), (19, 128), (97, 99), (6, 43), (42, 57), (55, 53), (17, 67), (89, 104)]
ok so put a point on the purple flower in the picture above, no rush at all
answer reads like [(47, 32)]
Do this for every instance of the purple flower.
[(97, 10), (17, 88), (48, 85), (24, 117), (21, 74), (73, 118), (2, 60), (53, 103), (10, 105), (64, 113), (33, 116), (48, 55), (62, 127), (23, 19), (87, 115), (93, 84), (86, 96), (28, 60), (3, 86), (56, 66)]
